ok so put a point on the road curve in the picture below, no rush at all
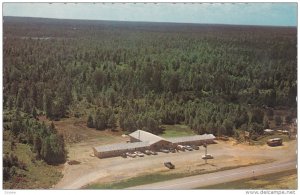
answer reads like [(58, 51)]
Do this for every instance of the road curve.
[(197, 181)]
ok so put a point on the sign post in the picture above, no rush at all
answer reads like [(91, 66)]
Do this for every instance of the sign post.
[(205, 146)]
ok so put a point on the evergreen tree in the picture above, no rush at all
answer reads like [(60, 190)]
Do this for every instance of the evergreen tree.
[(90, 121), (100, 120), (278, 120), (37, 145)]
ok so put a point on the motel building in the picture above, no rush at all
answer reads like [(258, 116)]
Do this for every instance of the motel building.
[(141, 140)]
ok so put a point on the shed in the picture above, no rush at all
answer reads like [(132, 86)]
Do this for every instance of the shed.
[(268, 132)]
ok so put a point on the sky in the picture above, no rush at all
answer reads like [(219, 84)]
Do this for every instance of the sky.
[(271, 14)]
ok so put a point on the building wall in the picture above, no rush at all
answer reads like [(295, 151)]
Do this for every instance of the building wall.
[(197, 142), (114, 153), (156, 146), (161, 144), (132, 139), (96, 153)]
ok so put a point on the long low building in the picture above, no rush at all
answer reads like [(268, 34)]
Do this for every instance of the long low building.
[(193, 140), (118, 149), (141, 140)]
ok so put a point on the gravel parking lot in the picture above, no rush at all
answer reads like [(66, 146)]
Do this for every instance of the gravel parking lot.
[(226, 154)]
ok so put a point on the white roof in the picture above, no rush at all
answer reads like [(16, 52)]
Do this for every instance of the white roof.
[(268, 130), (147, 139), (144, 136), (122, 146), (192, 138)]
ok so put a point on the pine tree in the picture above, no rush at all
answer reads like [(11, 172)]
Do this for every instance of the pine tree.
[(90, 122), (34, 113), (112, 122), (37, 145), (100, 120)]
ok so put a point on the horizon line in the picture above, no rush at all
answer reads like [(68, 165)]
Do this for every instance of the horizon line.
[(225, 24)]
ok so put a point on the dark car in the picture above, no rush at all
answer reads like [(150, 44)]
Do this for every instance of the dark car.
[(169, 165), (124, 155), (195, 147)]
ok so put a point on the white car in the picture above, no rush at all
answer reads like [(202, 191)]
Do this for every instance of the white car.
[(180, 147), (207, 156), (132, 155), (189, 148), (139, 154), (148, 152)]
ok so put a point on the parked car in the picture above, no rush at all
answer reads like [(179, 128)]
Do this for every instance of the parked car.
[(139, 154), (180, 147), (132, 155), (207, 156), (164, 150), (124, 155), (274, 142), (169, 165), (153, 152), (195, 147), (148, 152), (172, 150), (189, 148)]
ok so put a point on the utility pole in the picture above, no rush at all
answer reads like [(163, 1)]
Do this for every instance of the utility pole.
[(205, 146), (139, 135)]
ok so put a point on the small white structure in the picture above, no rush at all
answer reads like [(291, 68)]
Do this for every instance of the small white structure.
[(268, 132)]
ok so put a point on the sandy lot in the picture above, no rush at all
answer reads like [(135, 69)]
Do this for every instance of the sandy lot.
[(93, 169)]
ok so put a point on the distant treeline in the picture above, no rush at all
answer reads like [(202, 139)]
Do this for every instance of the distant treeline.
[(214, 78)]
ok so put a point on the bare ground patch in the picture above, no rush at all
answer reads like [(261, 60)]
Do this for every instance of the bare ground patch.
[(92, 169)]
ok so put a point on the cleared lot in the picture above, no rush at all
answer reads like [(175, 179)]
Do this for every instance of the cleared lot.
[(94, 170)]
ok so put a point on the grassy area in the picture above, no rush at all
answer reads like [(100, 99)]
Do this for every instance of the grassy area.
[(38, 175), (155, 177), (135, 181), (177, 131), (282, 180)]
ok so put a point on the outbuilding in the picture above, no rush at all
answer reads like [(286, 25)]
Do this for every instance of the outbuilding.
[(268, 132)]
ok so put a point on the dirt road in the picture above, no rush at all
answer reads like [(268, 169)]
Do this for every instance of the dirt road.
[(115, 169)]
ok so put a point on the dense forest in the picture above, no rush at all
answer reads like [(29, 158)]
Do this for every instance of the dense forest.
[(132, 75)]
